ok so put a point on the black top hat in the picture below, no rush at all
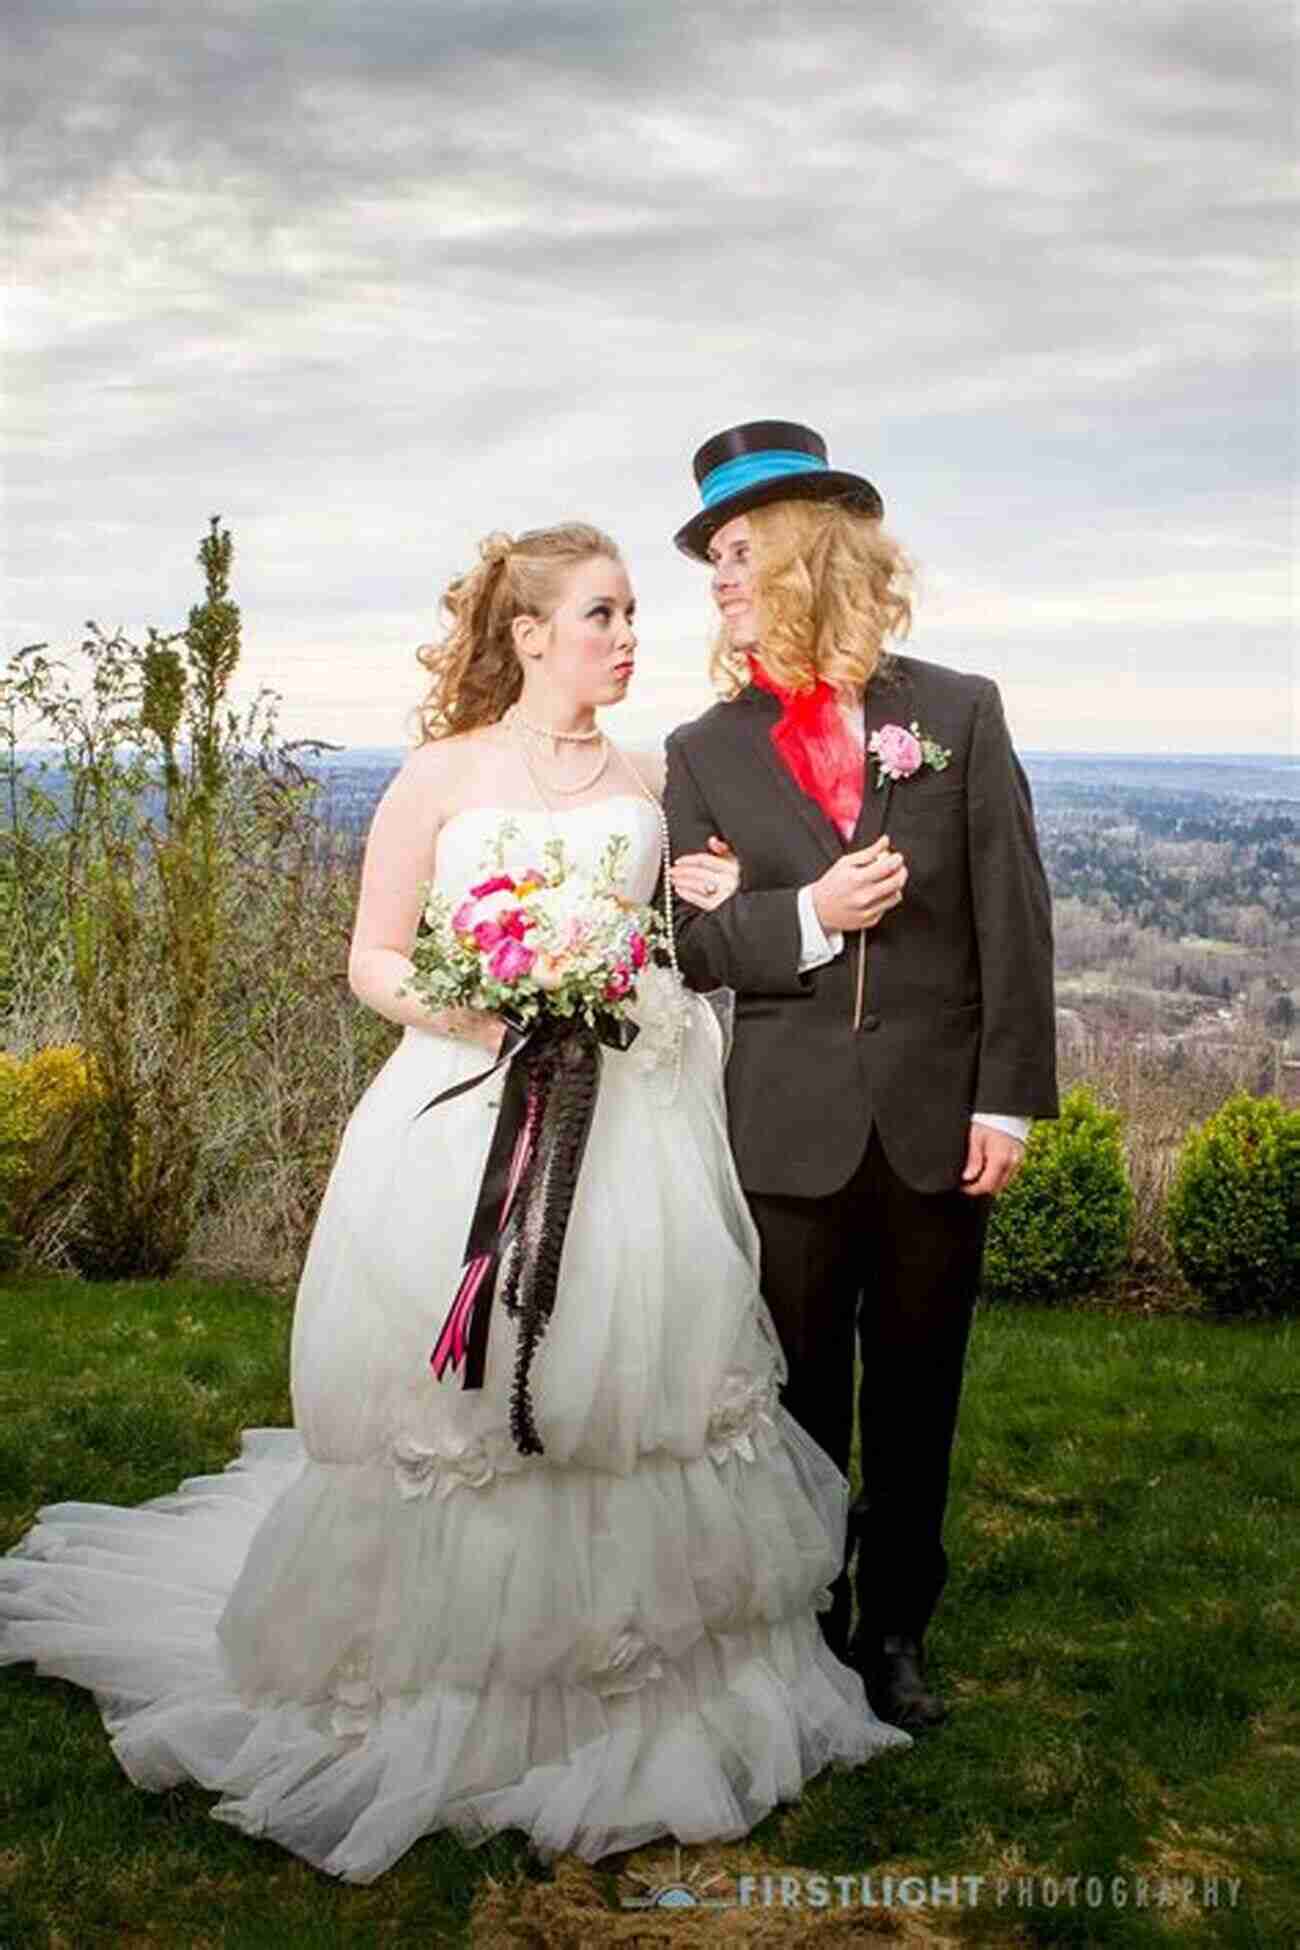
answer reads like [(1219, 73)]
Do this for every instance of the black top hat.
[(766, 460)]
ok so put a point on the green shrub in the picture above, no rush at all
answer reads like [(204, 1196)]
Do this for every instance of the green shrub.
[(1233, 1213), (46, 1106), (152, 757), (1063, 1224)]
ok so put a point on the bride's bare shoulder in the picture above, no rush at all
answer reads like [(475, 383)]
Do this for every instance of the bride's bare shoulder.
[(434, 772), (648, 765)]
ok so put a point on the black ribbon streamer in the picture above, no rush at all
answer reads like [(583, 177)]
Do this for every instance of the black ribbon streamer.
[(526, 1194)]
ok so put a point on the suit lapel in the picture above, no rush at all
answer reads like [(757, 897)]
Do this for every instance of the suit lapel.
[(765, 710), (885, 704)]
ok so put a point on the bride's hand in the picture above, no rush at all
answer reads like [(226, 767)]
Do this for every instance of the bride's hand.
[(706, 879), (473, 1026)]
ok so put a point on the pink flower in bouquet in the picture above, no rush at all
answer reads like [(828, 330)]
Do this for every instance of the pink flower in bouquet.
[(462, 920), (500, 883), (619, 983), (514, 922), (489, 935), (638, 948), (511, 960), (897, 751)]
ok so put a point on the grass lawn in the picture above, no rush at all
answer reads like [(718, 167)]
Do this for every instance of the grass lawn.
[(1120, 1641)]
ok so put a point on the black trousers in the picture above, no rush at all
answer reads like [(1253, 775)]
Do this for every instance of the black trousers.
[(900, 1268)]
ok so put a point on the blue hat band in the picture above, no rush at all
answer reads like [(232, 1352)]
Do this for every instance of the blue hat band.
[(747, 470)]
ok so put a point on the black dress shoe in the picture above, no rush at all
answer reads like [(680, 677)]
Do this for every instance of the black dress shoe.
[(893, 1672)]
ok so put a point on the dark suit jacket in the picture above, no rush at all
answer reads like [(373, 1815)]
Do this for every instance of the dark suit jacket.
[(959, 1010)]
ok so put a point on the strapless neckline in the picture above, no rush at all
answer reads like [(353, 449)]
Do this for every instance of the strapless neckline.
[(549, 813)]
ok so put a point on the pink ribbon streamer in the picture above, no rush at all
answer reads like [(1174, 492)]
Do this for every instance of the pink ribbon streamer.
[(453, 1341)]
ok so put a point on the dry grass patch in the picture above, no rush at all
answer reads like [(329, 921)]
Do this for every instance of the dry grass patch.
[(1182, 1861), (578, 1911), (1277, 1733), (1032, 1692)]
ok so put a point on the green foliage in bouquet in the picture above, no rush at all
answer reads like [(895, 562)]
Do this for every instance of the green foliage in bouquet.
[(1233, 1213), (1062, 1226)]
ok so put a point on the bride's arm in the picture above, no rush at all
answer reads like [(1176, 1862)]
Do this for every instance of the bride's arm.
[(704, 879), (398, 866)]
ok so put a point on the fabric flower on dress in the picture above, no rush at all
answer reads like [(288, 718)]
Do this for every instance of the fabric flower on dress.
[(356, 1699), (628, 1661), (744, 1404), (418, 1468)]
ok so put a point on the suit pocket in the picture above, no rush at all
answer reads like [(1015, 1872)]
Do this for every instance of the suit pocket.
[(929, 802)]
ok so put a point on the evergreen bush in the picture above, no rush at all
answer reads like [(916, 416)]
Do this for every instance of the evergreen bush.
[(1233, 1213), (1063, 1224)]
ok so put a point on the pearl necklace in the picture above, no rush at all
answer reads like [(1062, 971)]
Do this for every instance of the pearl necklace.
[(516, 716), (514, 719)]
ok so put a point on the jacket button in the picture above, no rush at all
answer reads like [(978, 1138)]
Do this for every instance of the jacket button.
[(870, 1021)]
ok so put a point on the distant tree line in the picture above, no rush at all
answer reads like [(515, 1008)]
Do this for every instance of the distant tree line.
[(1239, 882)]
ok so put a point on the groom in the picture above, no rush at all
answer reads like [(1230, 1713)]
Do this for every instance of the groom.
[(891, 952)]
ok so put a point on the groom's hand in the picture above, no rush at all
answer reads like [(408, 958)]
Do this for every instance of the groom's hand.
[(992, 1161), (860, 887)]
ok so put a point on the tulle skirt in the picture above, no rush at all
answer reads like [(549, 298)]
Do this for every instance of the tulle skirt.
[(385, 1621)]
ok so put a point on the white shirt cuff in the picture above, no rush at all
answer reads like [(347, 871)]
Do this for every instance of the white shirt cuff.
[(816, 947), (1016, 1127)]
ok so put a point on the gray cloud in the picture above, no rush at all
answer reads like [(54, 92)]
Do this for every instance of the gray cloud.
[(372, 280)]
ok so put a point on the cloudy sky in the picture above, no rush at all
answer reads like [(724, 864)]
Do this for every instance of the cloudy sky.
[(371, 279)]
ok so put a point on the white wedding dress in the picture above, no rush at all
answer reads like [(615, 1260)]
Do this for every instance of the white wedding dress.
[(385, 1620)]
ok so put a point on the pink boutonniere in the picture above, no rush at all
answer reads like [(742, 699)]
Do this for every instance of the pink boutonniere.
[(899, 752)]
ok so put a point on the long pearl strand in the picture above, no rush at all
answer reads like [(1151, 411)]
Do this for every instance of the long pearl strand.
[(679, 993), (665, 846), (666, 853)]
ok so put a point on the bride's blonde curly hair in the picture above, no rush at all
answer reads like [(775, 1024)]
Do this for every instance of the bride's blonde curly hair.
[(476, 673), (832, 588)]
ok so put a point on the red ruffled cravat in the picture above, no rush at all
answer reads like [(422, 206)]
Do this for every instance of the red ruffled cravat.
[(817, 748)]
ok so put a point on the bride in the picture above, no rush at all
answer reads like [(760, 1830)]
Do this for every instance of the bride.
[(389, 1619)]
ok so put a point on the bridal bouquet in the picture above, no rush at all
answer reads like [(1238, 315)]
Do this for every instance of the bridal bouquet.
[(557, 953), (551, 941)]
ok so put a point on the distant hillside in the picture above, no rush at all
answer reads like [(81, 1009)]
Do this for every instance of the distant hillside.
[(1167, 794), (352, 781)]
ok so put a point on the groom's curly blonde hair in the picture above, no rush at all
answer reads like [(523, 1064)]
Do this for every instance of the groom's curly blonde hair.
[(832, 587)]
